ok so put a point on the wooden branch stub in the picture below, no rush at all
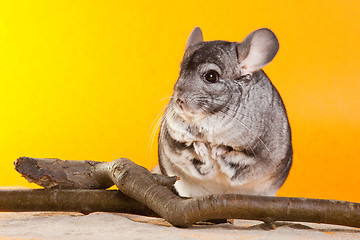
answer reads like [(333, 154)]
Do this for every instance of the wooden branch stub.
[(52, 173), (58, 174)]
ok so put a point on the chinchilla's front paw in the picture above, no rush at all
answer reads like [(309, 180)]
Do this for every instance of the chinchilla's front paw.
[(218, 152), (203, 163), (201, 149)]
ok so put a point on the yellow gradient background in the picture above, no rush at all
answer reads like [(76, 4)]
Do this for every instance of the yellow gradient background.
[(84, 80)]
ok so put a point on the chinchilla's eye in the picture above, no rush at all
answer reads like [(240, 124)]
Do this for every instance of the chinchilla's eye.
[(211, 76)]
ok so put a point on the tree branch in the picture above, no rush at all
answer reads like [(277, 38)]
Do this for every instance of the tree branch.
[(138, 183), (70, 200)]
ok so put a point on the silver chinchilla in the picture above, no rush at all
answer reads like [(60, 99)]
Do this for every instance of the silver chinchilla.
[(225, 129)]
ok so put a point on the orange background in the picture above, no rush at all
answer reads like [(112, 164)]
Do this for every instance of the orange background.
[(86, 79)]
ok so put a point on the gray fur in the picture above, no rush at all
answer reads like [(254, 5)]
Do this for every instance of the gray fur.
[(231, 135)]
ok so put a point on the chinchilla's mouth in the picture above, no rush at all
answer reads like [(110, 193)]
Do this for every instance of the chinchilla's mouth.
[(190, 115), (187, 112)]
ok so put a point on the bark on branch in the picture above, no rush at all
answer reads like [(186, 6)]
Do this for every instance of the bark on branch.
[(138, 183), (70, 200)]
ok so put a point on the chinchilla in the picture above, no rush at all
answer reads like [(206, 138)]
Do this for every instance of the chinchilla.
[(225, 129)]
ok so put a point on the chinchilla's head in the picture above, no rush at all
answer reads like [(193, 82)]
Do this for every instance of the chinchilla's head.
[(216, 76)]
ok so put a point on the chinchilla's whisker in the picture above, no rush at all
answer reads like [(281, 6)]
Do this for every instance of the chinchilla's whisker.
[(154, 133), (151, 140), (155, 120), (158, 124), (153, 129), (166, 98)]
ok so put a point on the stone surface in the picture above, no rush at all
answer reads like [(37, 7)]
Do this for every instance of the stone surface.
[(59, 225)]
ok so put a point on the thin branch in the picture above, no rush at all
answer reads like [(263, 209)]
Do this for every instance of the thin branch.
[(138, 183)]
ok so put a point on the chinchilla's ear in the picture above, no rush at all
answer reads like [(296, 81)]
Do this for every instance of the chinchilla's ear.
[(257, 50), (195, 37)]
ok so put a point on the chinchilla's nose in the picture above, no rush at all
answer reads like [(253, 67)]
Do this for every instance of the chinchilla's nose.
[(180, 103)]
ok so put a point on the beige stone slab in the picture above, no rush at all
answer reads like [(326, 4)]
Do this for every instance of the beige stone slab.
[(58, 225)]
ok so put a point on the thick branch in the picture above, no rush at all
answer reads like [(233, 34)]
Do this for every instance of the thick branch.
[(79, 200), (139, 184)]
